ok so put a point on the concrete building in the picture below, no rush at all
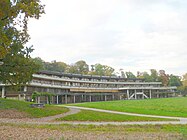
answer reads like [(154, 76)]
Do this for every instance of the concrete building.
[(75, 88)]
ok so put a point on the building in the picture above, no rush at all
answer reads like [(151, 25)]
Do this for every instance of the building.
[(75, 88)]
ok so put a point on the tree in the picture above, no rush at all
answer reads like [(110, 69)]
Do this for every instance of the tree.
[(82, 67), (130, 75), (184, 82), (154, 75), (17, 70), (103, 70), (56, 66), (40, 63), (147, 77), (174, 81), (18, 67), (14, 16), (163, 77)]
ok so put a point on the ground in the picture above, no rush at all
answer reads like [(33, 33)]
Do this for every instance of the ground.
[(17, 121), (29, 133)]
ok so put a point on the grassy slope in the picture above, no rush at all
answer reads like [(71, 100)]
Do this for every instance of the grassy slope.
[(21, 106), (86, 115), (164, 106)]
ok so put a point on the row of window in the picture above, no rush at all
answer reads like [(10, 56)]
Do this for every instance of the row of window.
[(90, 84)]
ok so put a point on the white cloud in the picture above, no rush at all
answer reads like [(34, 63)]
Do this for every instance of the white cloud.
[(131, 34)]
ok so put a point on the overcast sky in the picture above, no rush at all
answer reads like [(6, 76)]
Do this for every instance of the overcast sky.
[(126, 34)]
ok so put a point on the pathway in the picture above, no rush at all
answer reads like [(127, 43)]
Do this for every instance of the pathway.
[(73, 110), (126, 113)]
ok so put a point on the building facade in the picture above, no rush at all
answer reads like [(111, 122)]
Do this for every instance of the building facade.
[(76, 88)]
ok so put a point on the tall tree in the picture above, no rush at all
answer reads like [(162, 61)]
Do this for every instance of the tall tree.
[(163, 77), (14, 16), (130, 75), (56, 66), (154, 75), (183, 88), (103, 70), (38, 61), (174, 80), (147, 77), (82, 67)]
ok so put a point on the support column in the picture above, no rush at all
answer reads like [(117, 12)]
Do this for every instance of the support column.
[(74, 99), (127, 94), (150, 94), (143, 94), (19, 96), (25, 89), (57, 99), (105, 97), (112, 96), (38, 99), (90, 98), (135, 96), (24, 96), (47, 99), (3, 92), (120, 97), (82, 98), (66, 99), (52, 100)]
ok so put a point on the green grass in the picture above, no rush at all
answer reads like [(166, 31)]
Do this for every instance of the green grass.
[(22, 106), (166, 106), (86, 115)]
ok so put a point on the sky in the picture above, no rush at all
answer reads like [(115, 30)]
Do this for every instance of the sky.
[(133, 35)]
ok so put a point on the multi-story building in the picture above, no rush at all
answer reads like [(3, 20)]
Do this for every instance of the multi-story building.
[(74, 88)]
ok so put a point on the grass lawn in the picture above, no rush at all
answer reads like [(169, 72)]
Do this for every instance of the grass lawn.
[(48, 110), (86, 115), (163, 106)]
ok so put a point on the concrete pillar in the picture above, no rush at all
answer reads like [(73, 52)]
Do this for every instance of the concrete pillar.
[(74, 98), (82, 98), (3, 92), (112, 96), (38, 99), (150, 94), (142, 94), (25, 88), (127, 94), (57, 99), (66, 99), (47, 99), (52, 100), (24, 96), (120, 97), (105, 98), (135, 95), (19, 96), (90, 98)]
